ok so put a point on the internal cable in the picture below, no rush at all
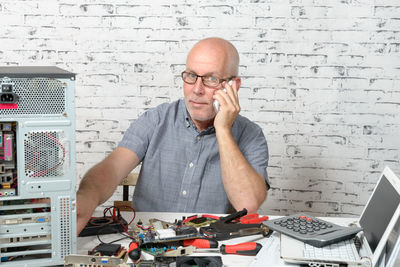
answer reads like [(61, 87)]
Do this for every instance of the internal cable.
[(113, 210)]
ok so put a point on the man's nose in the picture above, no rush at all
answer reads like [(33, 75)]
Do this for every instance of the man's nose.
[(198, 87)]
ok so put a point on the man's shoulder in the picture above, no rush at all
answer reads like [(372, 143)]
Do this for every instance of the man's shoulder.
[(243, 122), (248, 134), (167, 108)]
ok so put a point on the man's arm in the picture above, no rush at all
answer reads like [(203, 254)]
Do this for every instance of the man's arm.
[(245, 187), (100, 182)]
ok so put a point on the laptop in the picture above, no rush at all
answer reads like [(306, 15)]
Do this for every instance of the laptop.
[(378, 219)]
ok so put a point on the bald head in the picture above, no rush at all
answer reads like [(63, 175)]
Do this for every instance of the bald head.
[(218, 50)]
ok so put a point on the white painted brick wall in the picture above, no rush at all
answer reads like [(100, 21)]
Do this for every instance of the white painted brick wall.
[(321, 77)]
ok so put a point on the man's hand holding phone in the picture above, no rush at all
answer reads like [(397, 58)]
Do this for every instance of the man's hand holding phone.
[(226, 105), (216, 103)]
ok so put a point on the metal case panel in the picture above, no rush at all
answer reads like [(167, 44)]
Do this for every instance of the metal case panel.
[(38, 213)]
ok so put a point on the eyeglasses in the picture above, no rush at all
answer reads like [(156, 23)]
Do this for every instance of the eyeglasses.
[(208, 80)]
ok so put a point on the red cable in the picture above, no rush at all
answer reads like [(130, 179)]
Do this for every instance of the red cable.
[(58, 164)]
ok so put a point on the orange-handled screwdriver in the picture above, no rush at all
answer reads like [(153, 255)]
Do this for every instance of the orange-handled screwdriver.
[(247, 249)]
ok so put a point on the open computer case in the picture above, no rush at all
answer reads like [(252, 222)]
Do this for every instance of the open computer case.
[(37, 166)]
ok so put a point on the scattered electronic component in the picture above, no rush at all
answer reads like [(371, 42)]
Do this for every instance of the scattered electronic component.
[(92, 260), (169, 251), (107, 249), (8, 166), (165, 233), (198, 221), (185, 230), (103, 225), (165, 225), (215, 261)]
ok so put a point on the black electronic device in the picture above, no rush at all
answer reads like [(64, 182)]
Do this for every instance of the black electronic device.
[(107, 249), (215, 261), (311, 230), (185, 230), (161, 261), (104, 225)]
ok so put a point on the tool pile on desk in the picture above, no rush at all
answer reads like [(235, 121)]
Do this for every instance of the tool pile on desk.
[(198, 234), (173, 243)]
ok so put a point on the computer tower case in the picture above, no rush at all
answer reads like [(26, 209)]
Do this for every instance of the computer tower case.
[(37, 166)]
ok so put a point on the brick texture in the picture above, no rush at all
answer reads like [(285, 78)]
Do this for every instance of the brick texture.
[(322, 78)]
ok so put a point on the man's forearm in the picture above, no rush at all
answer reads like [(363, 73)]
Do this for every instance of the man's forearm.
[(95, 188), (98, 184), (101, 180), (245, 187)]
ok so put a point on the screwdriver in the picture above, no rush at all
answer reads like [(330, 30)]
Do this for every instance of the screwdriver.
[(134, 252), (201, 243), (247, 249)]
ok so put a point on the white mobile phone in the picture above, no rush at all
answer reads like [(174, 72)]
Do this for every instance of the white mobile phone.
[(216, 103)]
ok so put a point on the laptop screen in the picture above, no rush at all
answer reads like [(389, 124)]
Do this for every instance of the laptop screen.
[(379, 211)]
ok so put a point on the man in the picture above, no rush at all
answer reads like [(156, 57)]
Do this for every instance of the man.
[(194, 159)]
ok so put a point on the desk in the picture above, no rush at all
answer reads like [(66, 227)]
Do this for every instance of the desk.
[(88, 243)]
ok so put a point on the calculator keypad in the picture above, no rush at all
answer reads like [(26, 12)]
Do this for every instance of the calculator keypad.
[(303, 224), (311, 230)]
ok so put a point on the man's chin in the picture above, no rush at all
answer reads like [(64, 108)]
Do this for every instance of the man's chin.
[(199, 117), (203, 119)]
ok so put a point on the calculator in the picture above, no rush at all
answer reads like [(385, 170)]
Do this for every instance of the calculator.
[(311, 230)]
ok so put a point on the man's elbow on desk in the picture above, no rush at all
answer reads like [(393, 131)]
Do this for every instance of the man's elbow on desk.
[(251, 204)]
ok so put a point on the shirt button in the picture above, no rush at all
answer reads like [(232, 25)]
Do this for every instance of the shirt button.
[(198, 138), (191, 164), (184, 192)]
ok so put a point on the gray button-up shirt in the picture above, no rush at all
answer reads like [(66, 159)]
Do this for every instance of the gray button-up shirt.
[(181, 169)]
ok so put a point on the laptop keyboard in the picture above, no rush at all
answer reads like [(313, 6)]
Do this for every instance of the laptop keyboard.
[(342, 250)]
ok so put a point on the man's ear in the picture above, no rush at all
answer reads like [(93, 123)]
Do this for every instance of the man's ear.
[(238, 82)]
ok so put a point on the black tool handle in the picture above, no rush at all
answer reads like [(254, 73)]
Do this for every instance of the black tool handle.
[(134, 252), (233, 216)]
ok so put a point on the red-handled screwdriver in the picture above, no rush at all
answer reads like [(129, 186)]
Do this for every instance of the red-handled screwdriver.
[(134, 252), (201, 243), (247, 249)]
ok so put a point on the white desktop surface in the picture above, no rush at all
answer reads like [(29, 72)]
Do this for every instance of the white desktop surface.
[(86, 244)]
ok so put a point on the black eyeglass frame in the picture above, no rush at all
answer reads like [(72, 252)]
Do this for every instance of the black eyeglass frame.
[(204, 76)]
